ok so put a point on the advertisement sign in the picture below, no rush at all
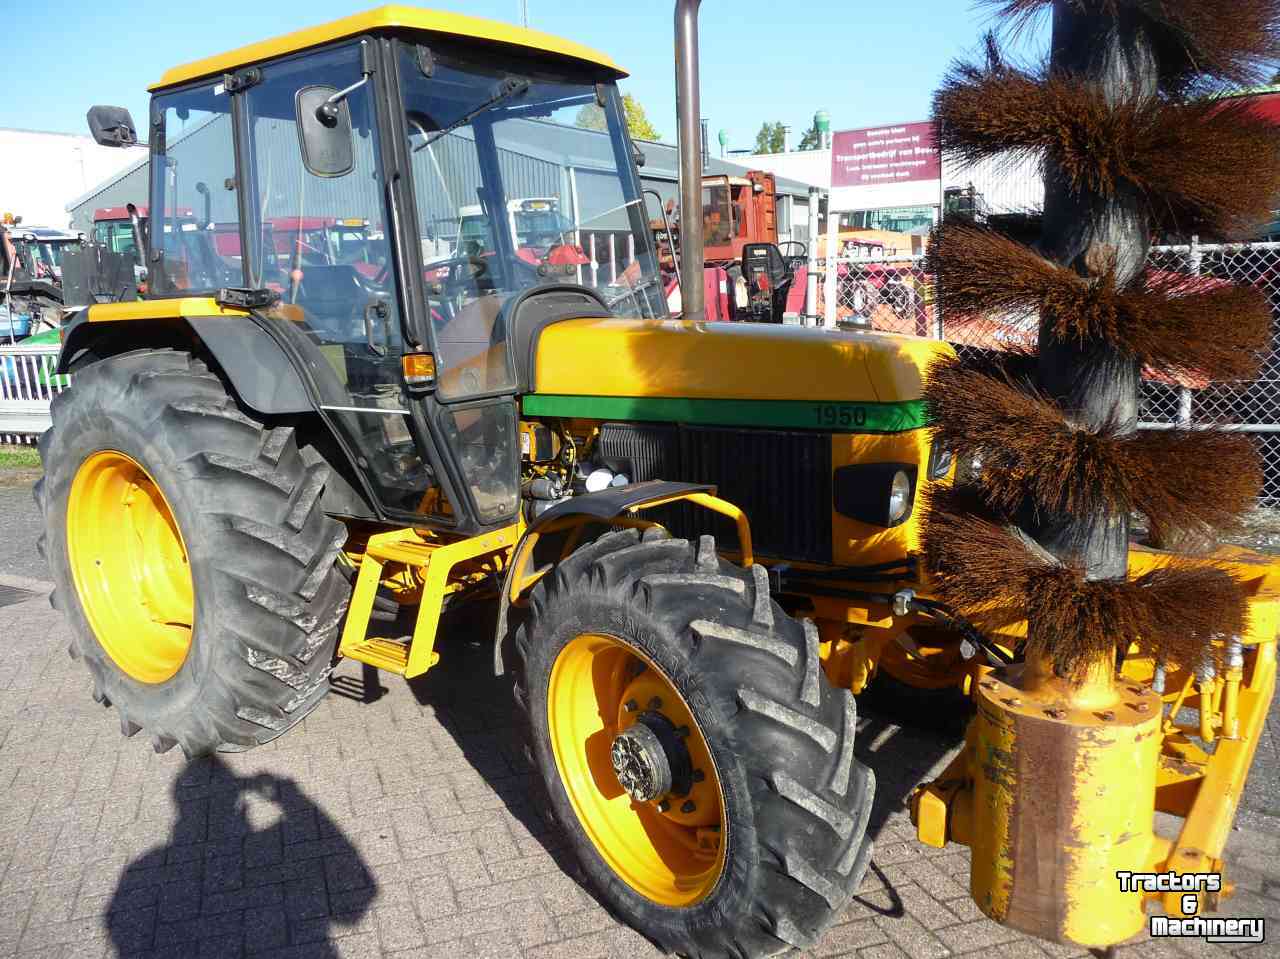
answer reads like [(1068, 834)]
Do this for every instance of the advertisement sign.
[(885, 155)]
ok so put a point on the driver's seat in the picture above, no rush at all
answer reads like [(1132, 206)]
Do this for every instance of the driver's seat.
[(768, 281), (332, 296)]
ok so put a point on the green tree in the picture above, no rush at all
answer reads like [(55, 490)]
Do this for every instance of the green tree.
[(591, 117), (771, 138), (812, 139)]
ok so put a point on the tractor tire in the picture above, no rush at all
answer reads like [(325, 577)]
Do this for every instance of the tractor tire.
[(634, 631), (190, 555)]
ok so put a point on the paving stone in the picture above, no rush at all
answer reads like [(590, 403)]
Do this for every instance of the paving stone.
[(849, 937), (913, 937), (970, 936), (399, 928), (406, 828)]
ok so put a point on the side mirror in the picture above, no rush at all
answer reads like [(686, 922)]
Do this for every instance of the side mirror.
[(112, 126), (324, 132)]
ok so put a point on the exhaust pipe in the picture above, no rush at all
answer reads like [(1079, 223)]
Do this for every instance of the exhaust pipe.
[(689, 122)]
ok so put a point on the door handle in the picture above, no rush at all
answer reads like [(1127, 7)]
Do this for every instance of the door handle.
[(378, 307)]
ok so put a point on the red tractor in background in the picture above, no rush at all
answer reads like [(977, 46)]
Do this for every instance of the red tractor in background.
[(747, 275)]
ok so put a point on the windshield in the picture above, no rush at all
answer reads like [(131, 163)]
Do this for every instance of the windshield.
[(534, 231), (116, 236), (717, 215), (52, 251), (517, 186)]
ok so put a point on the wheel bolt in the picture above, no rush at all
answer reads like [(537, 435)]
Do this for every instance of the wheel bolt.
[(663, 805), (655, 703), (631, 705), (689, 806), (699, 775)]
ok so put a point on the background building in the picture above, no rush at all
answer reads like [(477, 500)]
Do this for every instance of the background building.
[(890, 178), (533, 172), (42, 173)]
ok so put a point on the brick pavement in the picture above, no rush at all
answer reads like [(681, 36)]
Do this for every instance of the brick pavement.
[(397, 821)]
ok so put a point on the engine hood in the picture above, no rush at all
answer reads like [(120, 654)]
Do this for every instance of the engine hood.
[(731, 374)]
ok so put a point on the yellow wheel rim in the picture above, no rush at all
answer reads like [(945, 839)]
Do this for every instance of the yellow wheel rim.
[(130, 566), (669, 849)]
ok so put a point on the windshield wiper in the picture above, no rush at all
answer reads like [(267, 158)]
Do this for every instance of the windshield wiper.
[(510, 87)]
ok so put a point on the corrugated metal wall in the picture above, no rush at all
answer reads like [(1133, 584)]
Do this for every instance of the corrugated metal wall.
[(128, 188), (540, 168)]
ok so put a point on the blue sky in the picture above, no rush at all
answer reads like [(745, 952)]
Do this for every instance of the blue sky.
[(866, 61)]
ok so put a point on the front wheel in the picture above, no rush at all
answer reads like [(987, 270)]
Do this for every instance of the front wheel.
[(692, 748)]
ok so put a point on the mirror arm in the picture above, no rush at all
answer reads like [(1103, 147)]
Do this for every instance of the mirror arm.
[(327, 112)]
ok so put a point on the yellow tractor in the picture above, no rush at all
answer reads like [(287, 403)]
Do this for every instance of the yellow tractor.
[(699, 539)]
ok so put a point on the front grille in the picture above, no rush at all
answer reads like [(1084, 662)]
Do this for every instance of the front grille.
[(782, 480)]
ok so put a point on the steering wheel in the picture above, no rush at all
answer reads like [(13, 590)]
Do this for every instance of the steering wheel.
[(478, 268), (795, 260), (382, 276), (633, 293)]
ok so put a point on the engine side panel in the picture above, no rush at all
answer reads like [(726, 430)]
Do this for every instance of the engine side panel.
[(731, 361)]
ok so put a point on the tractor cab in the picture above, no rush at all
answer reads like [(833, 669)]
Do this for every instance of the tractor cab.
[(324, 175), (45, 248)]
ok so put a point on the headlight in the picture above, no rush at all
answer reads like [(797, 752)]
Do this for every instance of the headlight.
[(899, 497), (879, 494)]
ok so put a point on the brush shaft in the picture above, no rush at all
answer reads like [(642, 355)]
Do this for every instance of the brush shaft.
[(1096, 384)]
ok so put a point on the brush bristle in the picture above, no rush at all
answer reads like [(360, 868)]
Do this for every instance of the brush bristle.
[(985, 571), (1175, 163), (1030, 452), (1175, 324), (1226, 41), (1183, 159)]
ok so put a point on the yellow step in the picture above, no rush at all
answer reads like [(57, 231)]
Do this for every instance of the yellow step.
[(409, 552), (383, 653), (407, 546)]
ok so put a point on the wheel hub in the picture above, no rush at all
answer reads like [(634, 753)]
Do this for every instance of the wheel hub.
[(651, 760)]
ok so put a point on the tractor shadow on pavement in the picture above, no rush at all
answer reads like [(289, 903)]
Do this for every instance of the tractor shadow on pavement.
[(904, 742), (234, 870), (479, 712)]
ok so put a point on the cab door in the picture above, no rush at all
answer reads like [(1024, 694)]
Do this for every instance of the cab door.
[(352, 316)]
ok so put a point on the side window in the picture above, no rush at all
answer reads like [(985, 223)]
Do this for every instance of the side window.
[(194, 192)]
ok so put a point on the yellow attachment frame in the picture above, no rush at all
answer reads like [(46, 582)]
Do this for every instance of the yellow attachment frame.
[(1202, 784), (438, 560)]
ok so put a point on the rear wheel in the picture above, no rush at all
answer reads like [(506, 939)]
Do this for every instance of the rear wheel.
[(189, 553), (692, 748)]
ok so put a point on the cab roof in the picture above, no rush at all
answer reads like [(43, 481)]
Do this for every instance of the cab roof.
[(381, 19)]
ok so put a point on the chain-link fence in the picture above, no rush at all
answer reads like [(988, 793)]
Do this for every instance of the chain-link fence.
[(895, 294)]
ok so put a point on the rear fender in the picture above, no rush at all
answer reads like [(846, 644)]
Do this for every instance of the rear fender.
[(264, 375)]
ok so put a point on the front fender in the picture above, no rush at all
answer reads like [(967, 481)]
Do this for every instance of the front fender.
[(601, 507)]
